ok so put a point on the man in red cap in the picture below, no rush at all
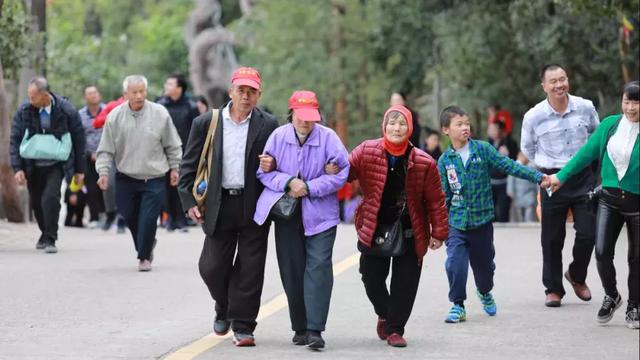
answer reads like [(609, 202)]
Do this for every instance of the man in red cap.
[(232, 193)]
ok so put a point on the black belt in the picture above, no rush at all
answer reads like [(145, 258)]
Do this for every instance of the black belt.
[(549, 171), (233, 192)]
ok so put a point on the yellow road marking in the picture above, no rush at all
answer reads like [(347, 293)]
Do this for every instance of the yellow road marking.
[(276, 304)]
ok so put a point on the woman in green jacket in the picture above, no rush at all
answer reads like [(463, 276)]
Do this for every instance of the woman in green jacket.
[(615, 144)]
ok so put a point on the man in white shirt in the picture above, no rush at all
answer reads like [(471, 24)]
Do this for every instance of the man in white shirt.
[(552, 132), (234, 281)]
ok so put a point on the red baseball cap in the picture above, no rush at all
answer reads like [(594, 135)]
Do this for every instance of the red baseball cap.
[(246, 76), (305, 105)]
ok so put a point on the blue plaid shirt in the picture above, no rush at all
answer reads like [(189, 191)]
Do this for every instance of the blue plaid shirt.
[(467, 188)]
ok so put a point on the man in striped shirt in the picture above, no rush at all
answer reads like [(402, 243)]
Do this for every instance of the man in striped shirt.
[(552, 132)]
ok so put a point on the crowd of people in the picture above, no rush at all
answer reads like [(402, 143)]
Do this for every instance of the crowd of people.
[(234, 171)]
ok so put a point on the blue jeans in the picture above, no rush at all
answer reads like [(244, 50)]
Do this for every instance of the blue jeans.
[(140, 203), (475, 247), (306, 271)]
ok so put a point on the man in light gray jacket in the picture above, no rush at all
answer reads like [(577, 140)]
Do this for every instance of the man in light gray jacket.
[(142, 140)]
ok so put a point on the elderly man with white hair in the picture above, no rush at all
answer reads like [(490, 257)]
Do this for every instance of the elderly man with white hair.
[(142, 140)]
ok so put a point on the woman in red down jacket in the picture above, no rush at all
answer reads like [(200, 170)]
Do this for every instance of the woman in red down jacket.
[(391, 172)]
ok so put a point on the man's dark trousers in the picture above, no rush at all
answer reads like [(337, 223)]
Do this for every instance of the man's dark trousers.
[(572, 195), (140, 203), (44, 185), (236, 286)]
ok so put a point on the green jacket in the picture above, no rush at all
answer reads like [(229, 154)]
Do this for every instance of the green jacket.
[(596, 148)]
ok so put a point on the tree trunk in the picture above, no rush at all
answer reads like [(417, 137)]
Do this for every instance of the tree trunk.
[(8, 188)]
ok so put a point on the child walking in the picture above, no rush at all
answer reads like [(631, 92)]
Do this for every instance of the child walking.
[(464, 173)]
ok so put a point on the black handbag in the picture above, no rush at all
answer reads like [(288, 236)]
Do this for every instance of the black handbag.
[(388, 240), (285, 207)]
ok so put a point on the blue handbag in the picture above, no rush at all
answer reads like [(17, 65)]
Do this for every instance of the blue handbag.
[(45, 147)]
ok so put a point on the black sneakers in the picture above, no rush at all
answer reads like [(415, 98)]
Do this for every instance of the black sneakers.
[(609, 306), (633, 317), (314, 340), (300, 338)]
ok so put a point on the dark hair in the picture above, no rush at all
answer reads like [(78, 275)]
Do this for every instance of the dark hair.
[(550, 67), (84, 91), (430, 132), (180, 80), (202, 99), (450, 112), (40, 82), (632, 90)]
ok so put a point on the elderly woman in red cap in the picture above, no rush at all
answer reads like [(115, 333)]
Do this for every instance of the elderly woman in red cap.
[(404, 206), (301, 199)]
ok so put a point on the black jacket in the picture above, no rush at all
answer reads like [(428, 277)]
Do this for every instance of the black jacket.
[(182, 113), (64, 119), (261, 125)]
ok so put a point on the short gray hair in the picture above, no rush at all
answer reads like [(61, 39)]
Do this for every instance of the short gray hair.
[(134, 79), (40, 82)]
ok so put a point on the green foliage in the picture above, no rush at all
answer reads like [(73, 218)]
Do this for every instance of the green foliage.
[(483, 51), (101, 41), (15, 42)]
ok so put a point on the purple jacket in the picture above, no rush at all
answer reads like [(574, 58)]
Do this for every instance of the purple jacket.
[(320, 209)]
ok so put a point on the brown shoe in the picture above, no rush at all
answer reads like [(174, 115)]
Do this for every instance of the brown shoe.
[(382, 323), (396, 340), (582, 290), (553, 300)]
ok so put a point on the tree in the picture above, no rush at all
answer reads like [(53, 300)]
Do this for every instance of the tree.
[(14, 27)]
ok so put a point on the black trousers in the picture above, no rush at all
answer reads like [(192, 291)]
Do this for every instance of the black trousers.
[(173, 207), (613, 212), (394, 305), (44, 185), (573, 195), (95, 199), (235, 278)]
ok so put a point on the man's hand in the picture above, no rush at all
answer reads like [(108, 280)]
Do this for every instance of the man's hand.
[(331, 169), (545, 183), (103, 182), (21, 179), (297, 188), (267, 163), (434, 244), (554, 183), (79, 177), (195, 215), (174, 176)]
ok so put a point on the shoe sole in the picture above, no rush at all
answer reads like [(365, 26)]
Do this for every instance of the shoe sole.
[(397, 345), (635, 326), (51, 251), (221, 333), (315, 346), (454, 322), (604, 320), (553, 304)]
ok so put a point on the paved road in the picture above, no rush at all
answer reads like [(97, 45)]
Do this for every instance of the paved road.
[(89, 302)]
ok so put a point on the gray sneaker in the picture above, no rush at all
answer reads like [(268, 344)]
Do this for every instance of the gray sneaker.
[(144, 266), (633, 318), (50, 248)]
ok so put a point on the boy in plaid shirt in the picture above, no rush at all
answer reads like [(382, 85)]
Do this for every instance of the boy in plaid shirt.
[(464, 173)]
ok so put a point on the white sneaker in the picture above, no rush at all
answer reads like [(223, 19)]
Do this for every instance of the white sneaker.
[(144, 266), (93, 225)]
